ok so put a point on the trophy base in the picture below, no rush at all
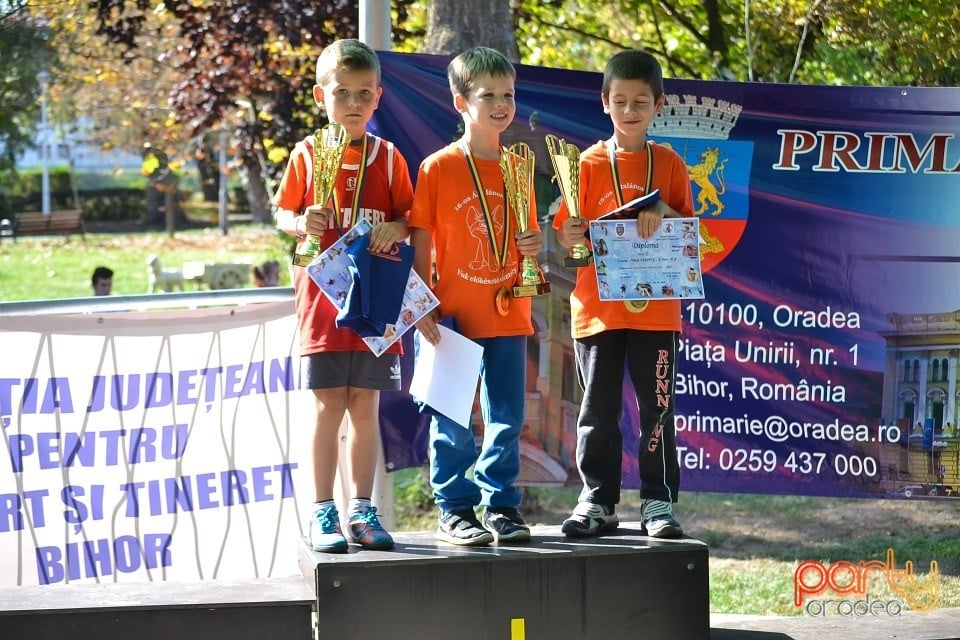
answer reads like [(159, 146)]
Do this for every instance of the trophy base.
[(302, 259), (531, 290), (571, 261)]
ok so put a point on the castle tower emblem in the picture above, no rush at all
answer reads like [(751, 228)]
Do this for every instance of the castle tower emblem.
[(698, 128)]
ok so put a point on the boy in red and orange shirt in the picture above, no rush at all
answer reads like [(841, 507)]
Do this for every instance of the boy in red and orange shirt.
[(460, 213), (346, 378), (611, 335)]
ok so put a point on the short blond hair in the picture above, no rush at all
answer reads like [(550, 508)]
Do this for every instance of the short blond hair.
[(349, 54), (463, 71)]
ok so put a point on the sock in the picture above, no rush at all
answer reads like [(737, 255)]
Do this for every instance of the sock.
[(358, 505), (319, 504)]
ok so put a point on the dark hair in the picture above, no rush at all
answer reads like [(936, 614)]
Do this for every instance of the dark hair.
[(101, 273), (634, 65), (266, 274), (349, 53), (464, 70)]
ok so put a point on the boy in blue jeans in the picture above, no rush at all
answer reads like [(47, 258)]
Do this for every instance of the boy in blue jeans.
[(460, 212)]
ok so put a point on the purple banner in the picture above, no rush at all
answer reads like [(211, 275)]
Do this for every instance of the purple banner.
[(823, 360)]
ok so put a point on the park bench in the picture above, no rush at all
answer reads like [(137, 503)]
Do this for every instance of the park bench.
[(35, 223)]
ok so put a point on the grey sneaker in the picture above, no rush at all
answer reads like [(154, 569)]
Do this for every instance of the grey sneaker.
[(505, 524), (658, 520), (462, 529), (589, 519)]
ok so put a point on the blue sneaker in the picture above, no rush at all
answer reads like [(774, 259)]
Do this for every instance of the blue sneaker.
[(325, 534), (365, 529)]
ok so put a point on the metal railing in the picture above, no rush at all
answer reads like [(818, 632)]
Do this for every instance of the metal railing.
[(146, 301)]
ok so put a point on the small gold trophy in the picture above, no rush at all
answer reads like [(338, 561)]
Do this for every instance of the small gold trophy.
[(329, 145), (517, 164), (566, 171)]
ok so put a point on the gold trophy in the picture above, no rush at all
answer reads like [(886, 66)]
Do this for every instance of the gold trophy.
[(329, 145), (566, 171), (517, 164)]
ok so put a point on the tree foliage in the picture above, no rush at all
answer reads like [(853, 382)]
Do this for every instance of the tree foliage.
[(26, 52), (872, 42), (244, 64), (166, 74)]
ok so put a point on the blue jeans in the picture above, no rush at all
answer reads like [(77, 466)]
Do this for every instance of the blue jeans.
[(453, 449)]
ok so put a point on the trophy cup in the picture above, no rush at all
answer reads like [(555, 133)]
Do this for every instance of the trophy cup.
[(329, 145), (566, 171), (517, 164)]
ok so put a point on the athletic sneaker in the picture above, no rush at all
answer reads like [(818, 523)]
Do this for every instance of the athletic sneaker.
[(590, 519), (658, 520), (462, 528), (505, 524), (325, 534), (365, 529)]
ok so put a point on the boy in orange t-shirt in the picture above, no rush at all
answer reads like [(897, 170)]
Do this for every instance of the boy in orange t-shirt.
[(611, 335), (345, 377), (459, 212)]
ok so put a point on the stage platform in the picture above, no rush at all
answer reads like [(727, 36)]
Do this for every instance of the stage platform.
[(211, 610), (552, 588)]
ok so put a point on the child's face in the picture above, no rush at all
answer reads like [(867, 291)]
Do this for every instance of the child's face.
[(350, 98), (489, 105), (102, 286), (631, 106)]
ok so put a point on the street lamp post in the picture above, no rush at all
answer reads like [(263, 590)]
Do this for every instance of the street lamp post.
[(44, 144)]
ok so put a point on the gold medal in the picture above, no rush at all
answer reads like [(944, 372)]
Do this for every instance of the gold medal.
[(633, 306), (502, 300)]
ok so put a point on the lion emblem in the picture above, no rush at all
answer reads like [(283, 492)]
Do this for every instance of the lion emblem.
[(700, 175)]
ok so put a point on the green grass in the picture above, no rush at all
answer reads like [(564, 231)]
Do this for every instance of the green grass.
[(42, 268)]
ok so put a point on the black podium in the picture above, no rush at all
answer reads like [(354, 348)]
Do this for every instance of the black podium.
[(554, 588)]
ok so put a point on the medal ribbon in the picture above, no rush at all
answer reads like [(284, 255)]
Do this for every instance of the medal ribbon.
[(499, 253), (355, 207), (615, 172)]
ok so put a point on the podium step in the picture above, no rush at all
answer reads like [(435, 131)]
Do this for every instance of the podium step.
[(210, 610), (553, 588)]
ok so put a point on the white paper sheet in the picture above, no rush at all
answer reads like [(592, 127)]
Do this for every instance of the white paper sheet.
[(445, 376)]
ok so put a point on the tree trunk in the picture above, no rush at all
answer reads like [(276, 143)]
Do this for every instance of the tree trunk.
[(209, 169), (455, 25), (258, 196)]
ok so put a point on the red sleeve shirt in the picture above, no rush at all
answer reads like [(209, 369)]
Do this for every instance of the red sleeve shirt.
[(386, 195)]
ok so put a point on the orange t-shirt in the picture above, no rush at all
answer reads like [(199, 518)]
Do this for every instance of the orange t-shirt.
[(386, 194), (447, 204), (589, 314)]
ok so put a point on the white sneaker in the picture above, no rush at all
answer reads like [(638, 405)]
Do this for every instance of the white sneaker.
[(658, 520), (589, 519)]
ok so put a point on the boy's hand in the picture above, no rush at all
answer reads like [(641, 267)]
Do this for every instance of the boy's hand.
[(427, 326), (649, 219), (316, 218), (529, 242), (572, 231), (385, 234)]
